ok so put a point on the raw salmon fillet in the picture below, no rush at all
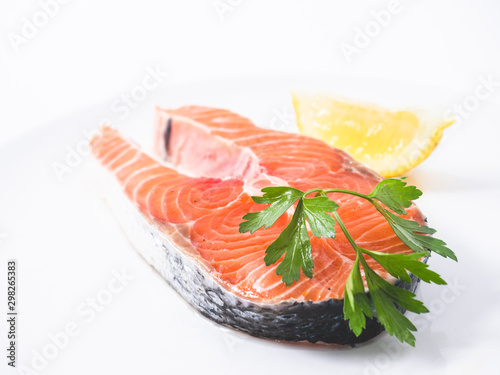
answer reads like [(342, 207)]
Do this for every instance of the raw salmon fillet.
[(189, 204)]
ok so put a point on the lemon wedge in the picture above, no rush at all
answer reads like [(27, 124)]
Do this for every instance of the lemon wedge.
[(390, 142)]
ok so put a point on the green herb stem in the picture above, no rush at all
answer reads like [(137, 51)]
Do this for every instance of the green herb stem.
[(390, 198), (328, 191), (345, 231)]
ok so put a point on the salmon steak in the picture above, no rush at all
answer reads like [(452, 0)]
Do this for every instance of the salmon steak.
[(181, 209)]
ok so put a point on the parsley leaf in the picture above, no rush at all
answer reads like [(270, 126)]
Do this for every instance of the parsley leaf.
[(413, 235), (356, 302), (384, 296), (280, 200), (295, 244), (394, 193), (316, 210), (398, 265), (384, 300)]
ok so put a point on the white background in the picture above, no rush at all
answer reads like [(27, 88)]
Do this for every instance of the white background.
[(90, 53)]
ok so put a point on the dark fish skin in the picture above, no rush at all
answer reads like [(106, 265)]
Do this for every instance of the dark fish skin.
[(167, 132), (293, 321), (287, 321)]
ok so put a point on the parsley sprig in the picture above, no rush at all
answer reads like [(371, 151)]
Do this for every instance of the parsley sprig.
[(390, 197)]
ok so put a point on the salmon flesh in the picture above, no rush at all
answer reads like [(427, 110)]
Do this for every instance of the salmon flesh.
[(182, 209)]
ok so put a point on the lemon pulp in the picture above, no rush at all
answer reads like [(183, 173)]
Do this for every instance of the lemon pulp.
[(390, 142)]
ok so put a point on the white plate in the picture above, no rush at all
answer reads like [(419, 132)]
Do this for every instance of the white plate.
[(69, 248)]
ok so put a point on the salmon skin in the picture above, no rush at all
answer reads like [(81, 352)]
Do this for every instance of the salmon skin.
[(181, 210)]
